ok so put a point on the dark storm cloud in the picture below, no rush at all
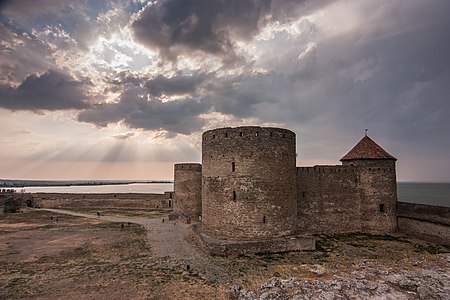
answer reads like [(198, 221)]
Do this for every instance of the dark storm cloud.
[(52, 90), (21, 53), (399, 86), (77, 18), (189, 25), (33, 8), (161, 84), (137, 111), (123, 80), (176, 85), (185, 26)]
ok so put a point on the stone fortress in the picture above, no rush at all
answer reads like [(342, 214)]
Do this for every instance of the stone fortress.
[(249, 196)]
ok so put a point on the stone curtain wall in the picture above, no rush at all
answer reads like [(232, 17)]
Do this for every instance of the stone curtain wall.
[(427, 222), (129, 200), (188, 190), (360, 196), (328, 200), (248, 184)]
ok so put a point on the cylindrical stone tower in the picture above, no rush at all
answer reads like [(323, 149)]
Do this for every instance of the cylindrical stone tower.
[(248, 185), (188, 190)]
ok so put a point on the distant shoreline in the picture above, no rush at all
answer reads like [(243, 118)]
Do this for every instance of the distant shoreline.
[(15, 183), (39, 183)]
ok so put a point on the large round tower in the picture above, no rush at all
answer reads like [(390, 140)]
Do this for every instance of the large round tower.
[(188, 190), (248, 183)]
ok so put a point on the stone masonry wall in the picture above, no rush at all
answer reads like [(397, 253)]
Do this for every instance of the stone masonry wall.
[(378, 189), (427, 222), (237, 248), (129, 200), (248, 184), (328, 199), (188, 190)]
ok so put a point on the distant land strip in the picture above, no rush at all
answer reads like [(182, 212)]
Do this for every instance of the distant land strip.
[(13, 183)]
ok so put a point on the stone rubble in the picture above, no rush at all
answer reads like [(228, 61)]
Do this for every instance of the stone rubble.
[(367, 281)]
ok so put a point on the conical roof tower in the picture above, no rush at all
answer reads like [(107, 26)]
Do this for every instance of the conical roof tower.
[(377, 185), (367, 149)]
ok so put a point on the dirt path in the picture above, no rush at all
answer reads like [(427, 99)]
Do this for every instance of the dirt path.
[(168, 244)]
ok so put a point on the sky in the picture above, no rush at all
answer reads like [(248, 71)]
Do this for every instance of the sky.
[(109, 89)]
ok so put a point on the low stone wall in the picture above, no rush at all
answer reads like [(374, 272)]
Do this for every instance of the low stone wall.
[(235, 248), (125, 200), (428, 222), (21, 196)]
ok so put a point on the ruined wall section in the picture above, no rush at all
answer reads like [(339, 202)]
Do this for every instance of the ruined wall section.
[(248, 184), (328, 199), (378, 188), (188, 190)]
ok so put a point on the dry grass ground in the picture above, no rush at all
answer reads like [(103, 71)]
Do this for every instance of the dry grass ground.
[(125, 212), (79, 258)]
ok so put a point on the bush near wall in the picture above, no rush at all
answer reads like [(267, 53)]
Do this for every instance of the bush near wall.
[(11, 204)]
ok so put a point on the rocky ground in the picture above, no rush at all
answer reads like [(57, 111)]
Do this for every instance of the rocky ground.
[(368, 280), (81, 256)]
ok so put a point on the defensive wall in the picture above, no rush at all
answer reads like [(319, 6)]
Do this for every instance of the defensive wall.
[(124, 200), (428, 222), (328, 200), (236, 248), (347, 198), (248, 183), (188, 190)]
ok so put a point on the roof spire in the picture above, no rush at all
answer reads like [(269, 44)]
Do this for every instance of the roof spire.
[(365, 132), (367, 149)]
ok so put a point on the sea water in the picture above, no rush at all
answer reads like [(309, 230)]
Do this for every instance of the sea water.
[(141, 188), (432, 193)]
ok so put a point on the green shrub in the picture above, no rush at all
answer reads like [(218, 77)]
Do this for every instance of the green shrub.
[(11, 204)]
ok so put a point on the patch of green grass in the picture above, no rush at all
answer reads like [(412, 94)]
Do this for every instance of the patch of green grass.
[(359, 245), (272, 257), (325, 240), (325, 244), (433, 249), (150, 213)]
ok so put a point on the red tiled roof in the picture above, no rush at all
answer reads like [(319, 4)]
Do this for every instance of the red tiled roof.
[(367, 149)]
